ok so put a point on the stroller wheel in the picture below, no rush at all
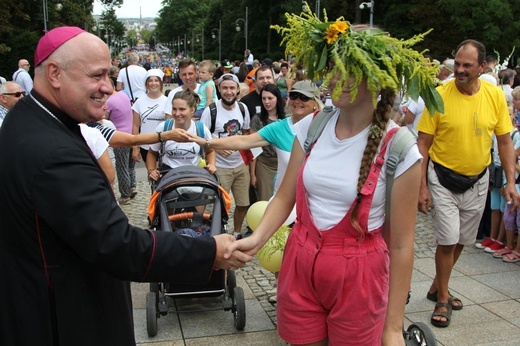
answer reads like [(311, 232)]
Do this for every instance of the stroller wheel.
[(231, 282), (419, 334), (154, 287), (151, 314), (239, 310)]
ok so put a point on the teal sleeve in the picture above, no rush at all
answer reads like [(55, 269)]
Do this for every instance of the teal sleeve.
[(279, 134)]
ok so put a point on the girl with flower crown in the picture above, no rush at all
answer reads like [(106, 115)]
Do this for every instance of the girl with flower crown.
[(345, 275)]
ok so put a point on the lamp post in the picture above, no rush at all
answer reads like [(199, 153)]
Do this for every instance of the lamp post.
[(317, 10), (219, 39), (199, 38), (245, 26), (185, 51), (369, 5), (58, 7)]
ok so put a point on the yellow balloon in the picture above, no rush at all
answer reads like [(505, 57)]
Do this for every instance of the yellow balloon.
[(255, 213), (271, 254), (272, 263)]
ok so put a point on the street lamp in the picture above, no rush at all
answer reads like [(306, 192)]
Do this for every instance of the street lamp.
[(317, 10), (369, 5), (58, 7), (245, 26), (219, 39)]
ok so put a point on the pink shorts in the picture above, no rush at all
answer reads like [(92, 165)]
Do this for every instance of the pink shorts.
[(332, 286)]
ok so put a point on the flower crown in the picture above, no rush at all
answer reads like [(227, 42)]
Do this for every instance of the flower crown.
[(327, 48)]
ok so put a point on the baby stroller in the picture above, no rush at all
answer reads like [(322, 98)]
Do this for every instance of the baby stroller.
[(189, 201), (418, 333)]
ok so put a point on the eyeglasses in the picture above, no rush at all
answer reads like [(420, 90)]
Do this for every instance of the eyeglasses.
[(16, 94), (294, 96)]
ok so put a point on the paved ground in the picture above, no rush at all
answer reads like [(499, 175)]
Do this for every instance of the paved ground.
[(489, 288)]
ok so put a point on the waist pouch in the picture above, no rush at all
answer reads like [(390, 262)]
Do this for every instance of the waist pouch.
[(455, 182)]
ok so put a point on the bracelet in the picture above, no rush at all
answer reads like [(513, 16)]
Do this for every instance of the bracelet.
[(207, 143), (150, 171), (159, 137)]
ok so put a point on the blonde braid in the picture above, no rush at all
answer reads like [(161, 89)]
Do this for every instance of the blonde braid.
[(379, 122)]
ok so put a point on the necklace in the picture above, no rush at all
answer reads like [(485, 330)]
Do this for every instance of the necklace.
[(45, 109)]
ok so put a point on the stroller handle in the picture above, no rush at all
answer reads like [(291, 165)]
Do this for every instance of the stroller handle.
[(186, 216)]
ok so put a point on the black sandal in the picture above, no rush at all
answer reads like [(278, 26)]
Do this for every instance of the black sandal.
[(446, 315), (433, 297)]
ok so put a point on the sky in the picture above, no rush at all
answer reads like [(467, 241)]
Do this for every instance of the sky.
[(130, 8)]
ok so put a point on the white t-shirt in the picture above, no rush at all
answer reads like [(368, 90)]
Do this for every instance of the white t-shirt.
[(180, 154), (417, 109), (228, 123), (137, 77), (110, 125), (168, 109), (95, 140), (332, 170), (151, 112)]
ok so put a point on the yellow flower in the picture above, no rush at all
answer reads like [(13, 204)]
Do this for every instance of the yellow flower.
[(332, 33), (341, 26)]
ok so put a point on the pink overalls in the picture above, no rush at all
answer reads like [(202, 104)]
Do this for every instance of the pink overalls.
[(334, 284)]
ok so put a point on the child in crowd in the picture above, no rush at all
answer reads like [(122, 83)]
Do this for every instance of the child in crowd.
[(512, 220), (207, 90)]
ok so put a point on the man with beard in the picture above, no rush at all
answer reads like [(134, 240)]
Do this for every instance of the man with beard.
[(455, 181), (230, 121)]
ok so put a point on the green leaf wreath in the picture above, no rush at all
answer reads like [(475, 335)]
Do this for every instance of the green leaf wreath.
[(327, 48)]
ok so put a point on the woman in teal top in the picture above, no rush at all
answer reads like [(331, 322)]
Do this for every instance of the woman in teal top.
[(304, 99)]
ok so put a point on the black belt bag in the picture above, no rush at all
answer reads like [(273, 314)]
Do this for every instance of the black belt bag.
[(453, 181)]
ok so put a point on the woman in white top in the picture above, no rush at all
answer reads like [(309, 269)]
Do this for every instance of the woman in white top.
[(175, 154), (148, 110), (340, 281)]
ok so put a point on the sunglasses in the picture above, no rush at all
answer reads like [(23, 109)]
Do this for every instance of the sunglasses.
[(16, 94), (294, 96)]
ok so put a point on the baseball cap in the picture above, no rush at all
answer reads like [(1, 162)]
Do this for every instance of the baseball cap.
[(229, 76), (227, 64), (52, 40), (306, 88), (155, 72)]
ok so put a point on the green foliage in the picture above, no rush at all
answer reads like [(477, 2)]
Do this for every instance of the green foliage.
[(333, 49), (276, 242)]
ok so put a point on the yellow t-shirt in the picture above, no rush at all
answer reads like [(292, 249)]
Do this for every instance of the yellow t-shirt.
[(462, 135)]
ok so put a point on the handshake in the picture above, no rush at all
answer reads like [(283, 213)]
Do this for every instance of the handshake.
[(233, 253)]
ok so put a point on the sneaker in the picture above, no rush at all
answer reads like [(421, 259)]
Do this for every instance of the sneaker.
[(248, 233), (501, 253), (133, 192), (484, 244), (123, 200), (494, 247)]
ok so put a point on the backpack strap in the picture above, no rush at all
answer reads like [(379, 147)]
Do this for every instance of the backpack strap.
[(16, 75), (129, 85), (168, 125), (213, 114), (316, 128), (403, 141), (200, 133)]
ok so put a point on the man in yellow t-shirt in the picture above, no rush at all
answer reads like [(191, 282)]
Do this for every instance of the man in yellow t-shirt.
[(458, 142)]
